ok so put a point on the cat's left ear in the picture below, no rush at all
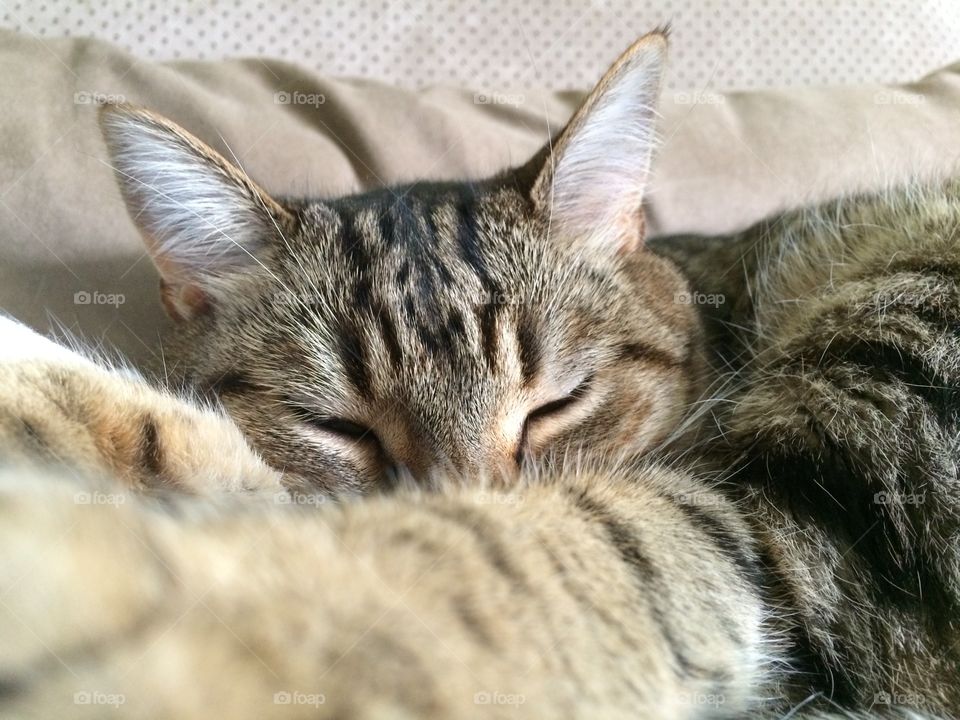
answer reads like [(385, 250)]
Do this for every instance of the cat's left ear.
[(204, 221), (593, 175)]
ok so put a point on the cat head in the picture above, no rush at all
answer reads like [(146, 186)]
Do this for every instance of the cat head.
[(431, 327)]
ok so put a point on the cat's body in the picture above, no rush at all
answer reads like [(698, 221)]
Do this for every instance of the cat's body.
[(792, 544), (841, 437)]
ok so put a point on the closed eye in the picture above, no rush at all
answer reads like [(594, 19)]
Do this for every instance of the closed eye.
[(337, 426), (554, 407), (551, 408)]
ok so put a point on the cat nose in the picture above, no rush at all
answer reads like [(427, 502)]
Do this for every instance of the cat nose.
[(423, 464), (500, 470), (416, 452)]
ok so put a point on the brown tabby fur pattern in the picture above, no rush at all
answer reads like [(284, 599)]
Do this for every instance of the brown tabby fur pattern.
[(594, 498)]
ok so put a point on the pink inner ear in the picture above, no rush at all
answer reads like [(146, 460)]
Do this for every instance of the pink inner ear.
[(183, 301), (631, 231)]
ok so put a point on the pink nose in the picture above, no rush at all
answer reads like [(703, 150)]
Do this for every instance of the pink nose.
[(498, 468)]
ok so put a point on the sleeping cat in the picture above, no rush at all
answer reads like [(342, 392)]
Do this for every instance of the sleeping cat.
[(510, 366), (429, 329)]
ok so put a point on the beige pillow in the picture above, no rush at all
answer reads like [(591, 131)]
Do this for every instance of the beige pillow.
[(69, 252)]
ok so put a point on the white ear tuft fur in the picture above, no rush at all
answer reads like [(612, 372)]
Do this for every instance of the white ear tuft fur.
[(202, 218), (594, 183)]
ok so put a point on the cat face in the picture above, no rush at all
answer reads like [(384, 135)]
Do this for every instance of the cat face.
[(416, 331)]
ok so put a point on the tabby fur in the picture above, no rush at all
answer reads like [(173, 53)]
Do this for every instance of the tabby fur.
[(747, 509)]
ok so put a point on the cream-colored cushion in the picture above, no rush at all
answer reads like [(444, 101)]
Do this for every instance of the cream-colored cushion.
[(726, 160)]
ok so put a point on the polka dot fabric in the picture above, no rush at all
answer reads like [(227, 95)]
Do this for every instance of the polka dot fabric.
[(503, 45)]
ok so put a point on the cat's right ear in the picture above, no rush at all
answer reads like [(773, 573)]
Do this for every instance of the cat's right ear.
[(203, 220), (589, 181)]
